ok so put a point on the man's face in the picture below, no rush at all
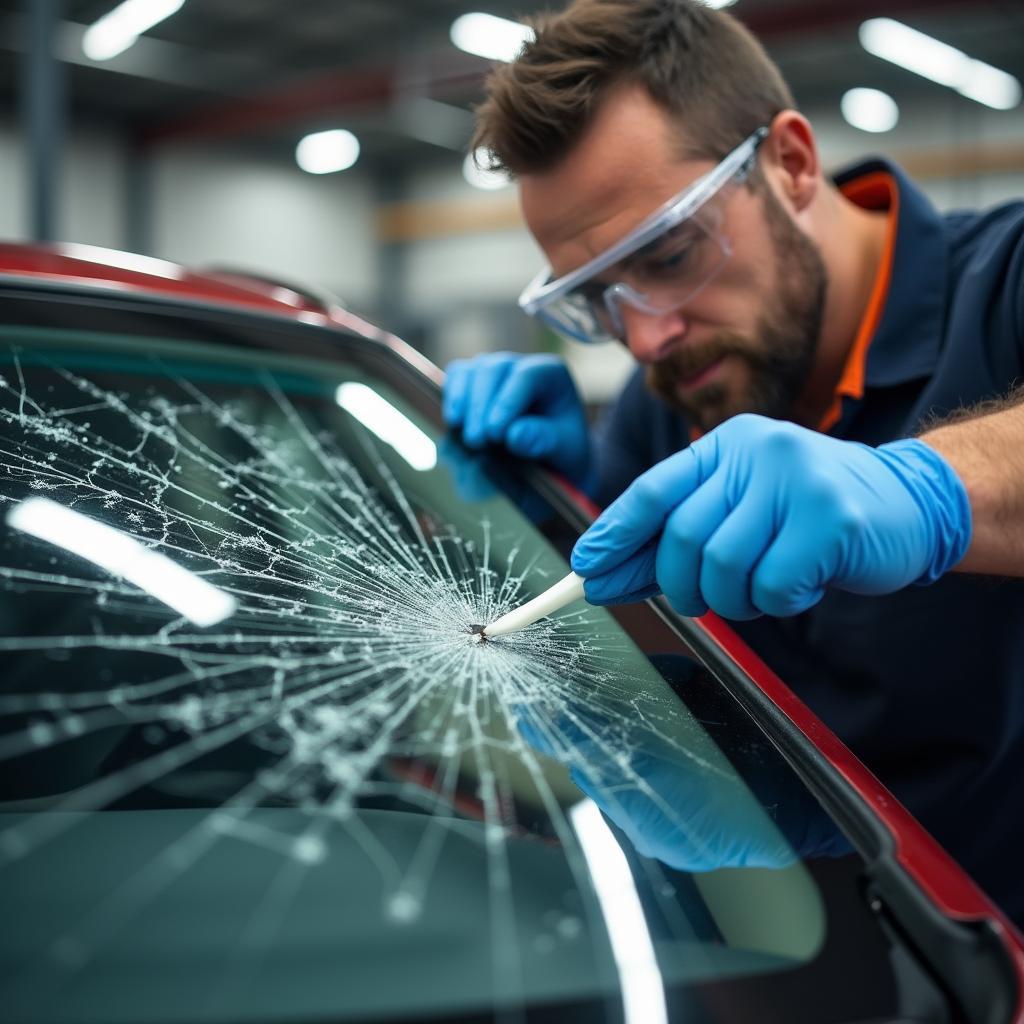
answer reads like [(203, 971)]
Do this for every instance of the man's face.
[(747, 340)]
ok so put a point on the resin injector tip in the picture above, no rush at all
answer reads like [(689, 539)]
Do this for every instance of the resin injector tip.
[(564, 592)]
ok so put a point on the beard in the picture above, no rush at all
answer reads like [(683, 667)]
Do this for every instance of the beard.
[(778, 354)]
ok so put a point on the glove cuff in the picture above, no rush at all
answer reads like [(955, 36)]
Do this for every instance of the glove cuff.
[(941, 497)]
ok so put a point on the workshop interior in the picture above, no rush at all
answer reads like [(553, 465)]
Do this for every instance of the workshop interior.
[(315, 707)]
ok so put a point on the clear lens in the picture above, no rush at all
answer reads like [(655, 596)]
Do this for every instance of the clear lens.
[(580, 318), (672, 271), (662, 264), (661, 277)]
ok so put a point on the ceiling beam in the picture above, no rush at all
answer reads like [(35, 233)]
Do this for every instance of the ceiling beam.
[(150, 58), (445, 74)]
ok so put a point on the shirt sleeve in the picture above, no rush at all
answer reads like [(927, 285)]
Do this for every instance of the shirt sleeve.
[(1017, 279), (990, 290), (1006, 256)]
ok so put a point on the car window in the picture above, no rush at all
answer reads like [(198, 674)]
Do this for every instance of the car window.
[(258, 767)]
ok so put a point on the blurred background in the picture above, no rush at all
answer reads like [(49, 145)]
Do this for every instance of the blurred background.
[(323, 142)]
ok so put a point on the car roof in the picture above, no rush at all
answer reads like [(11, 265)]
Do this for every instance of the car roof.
[(130, 270), (134, 275), (111, 267)]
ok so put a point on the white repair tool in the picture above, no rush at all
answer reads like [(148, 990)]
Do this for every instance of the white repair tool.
[(564, 592)]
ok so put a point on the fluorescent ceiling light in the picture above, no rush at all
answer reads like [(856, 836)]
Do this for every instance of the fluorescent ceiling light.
[(327, 152), (719, 4), (893, 41), (380, 417), (122, 555), (484, 35), (116, 31), (474, 170), (870, 110)]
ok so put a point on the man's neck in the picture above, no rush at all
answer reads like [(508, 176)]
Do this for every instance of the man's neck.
[(852, 242)]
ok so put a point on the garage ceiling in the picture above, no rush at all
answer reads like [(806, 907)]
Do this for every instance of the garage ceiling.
[(265, 71)]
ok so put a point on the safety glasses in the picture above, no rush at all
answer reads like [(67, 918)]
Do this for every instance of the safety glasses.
[(658, 267)]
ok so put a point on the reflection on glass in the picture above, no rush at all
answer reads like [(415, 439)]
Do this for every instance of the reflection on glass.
[(390, 425), (687, 812), (643, 994), (343, 777), (123, 556)]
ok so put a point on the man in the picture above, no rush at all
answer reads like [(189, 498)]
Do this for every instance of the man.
[(795, 337)]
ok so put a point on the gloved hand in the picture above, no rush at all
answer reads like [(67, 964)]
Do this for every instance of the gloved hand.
[(476, 478), (527, 403), (468, 470), (672, 806), (760, 517), (664, 789)]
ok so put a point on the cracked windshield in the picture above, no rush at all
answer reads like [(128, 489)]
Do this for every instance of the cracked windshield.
[(256, 763)]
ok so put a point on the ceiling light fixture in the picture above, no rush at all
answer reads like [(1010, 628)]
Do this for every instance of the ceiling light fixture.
[(327, 152), (120, 28), (493, 38), (870, 110), (905, 46)]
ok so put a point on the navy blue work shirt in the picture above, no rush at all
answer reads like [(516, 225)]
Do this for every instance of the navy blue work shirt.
[(926, 685)]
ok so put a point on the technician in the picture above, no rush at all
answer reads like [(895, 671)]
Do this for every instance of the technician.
[(822, 441)]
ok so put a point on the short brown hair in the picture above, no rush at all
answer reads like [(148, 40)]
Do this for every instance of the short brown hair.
[(700, 64)]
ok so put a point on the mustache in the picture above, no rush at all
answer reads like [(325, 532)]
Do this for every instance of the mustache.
[(691, 359)]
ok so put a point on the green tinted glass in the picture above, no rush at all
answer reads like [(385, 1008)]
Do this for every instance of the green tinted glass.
[(265, 815)]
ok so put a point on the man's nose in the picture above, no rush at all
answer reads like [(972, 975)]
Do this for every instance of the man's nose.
[(652, 336)]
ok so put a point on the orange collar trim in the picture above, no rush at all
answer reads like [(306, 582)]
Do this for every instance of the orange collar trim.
[(875, 191)]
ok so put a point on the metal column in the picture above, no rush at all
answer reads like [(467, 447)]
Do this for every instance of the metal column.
[(391, 186), (43, 116), (139, 199)]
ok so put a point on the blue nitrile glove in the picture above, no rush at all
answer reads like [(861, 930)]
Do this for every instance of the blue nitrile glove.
[(760, 516), (527, 403), (468, 470), (470, 476)]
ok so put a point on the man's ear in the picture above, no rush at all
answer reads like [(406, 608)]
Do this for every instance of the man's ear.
[(791, 159)]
